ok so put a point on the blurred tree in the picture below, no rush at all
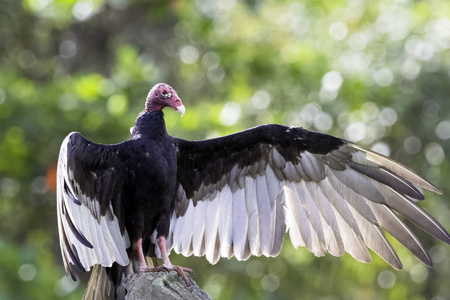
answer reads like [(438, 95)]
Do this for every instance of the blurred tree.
[(376, 73)]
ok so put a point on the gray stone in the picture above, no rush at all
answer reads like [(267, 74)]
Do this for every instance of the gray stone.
[(162, 285)]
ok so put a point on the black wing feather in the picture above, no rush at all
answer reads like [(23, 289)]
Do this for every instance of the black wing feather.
[(331, 194), (205, 162), (93, 165), (90, 204)]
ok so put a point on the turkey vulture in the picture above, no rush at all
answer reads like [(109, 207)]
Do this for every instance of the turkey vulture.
[(233, 195)]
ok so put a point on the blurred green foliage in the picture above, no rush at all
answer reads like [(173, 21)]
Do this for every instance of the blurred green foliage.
[(376, 73)]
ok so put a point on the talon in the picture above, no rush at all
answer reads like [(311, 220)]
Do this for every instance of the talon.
[(167, 268), (182, 271), (168, 265)]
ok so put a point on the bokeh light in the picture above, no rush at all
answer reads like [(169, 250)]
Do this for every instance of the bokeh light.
[(375, 73)]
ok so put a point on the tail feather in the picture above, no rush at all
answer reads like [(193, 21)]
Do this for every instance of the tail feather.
[(107, 283)]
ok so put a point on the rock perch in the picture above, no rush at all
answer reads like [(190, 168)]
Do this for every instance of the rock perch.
[(162, 285)]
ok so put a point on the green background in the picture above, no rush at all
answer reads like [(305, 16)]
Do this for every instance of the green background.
[(375, 72)]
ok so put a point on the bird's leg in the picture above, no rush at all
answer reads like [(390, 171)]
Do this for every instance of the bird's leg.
[(166, 261), (142, 261), (167, 265), (143, 267)]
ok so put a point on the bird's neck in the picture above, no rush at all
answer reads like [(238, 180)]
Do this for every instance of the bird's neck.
[(149, 124)]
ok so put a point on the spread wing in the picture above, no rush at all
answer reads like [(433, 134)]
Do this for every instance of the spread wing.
[(89, 204), (238, 194)]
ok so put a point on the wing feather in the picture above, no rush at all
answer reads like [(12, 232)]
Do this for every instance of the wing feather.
[(302, 222), (225, 223), (353, 243), (211, 229), (370, 158), (265, 211), (240, 224), (199, 229), (390, 222), (177, 234), (188, 229), (355, 200), (279, 219), (331, 195), (87, 236), (311, 166), (376, 240), (253, 217), (311, 212), (333, 237)]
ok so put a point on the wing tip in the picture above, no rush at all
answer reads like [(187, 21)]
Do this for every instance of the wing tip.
[(393, 165), (437, 191), (428, 262), (431, 187), (447, 237)]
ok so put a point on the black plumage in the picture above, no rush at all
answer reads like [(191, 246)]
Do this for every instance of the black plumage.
[(233, 195)]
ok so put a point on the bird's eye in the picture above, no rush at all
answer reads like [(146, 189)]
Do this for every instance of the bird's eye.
[(164, 92)]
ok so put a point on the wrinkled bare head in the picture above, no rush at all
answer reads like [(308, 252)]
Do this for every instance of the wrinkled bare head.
[(162, 95)]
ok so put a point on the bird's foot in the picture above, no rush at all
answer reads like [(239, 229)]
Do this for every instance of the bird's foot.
[(169, 267), (180, 270)]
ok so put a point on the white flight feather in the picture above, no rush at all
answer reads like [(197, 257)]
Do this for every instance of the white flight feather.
[(291, 223), (348, 226), (199, 228), (353, 243), (186, 239), (355, 200), (225, 226), (251, 205), (213, 210), (328, 213), (360, 184), (264, 208), (178, 234), (332, 240), (390, 222), (277, 203), (308, 234), (240, 226), (312, 213), (375, 240)]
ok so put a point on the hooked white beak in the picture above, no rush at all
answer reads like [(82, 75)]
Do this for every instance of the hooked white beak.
[(181, 109)]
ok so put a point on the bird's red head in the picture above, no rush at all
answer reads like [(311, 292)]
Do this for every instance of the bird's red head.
[(162, 95)]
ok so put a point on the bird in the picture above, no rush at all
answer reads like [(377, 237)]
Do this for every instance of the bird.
[(237, 195)]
